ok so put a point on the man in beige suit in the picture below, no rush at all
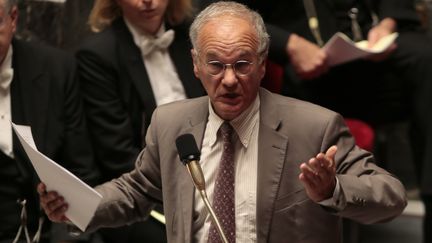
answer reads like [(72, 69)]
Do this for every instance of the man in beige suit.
[(297, 168)]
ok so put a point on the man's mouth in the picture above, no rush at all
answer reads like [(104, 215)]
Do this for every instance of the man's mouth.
[(230, 95), (230, 98)]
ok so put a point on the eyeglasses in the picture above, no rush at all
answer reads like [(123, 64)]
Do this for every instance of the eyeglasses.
[(240, 68)]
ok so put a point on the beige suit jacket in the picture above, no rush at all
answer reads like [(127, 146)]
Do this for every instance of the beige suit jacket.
[(290, 132)]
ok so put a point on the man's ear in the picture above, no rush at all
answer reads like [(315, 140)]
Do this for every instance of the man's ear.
[(195, 63), (262, 68), (14, 17)]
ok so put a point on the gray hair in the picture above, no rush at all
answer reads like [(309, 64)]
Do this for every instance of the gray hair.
[(8, 4), (224, 8)]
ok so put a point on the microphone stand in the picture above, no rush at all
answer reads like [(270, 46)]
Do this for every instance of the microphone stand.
[(199, 182), (189, 156)]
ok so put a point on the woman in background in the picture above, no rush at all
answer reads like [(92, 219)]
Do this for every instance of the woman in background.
[(138, 59)]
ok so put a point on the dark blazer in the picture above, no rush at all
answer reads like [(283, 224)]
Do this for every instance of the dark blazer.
[(118, 96), (285, 17), (290, 132), (44, 95)]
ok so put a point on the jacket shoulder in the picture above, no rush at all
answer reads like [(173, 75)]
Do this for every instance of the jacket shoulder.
[(100, 42), (41, 57)]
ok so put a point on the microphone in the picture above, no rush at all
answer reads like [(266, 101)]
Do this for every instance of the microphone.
[(190, 156)]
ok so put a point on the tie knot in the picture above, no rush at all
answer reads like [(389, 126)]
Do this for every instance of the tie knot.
[(161, 42), (226, 131)]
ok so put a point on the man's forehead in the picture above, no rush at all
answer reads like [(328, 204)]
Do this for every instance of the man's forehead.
[(220, 22), (227, 32)]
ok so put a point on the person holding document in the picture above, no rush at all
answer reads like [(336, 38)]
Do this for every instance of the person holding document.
[(281, 167), (37, 89)]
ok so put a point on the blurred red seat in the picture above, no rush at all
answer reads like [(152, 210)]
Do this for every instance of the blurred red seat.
[(363, 133)]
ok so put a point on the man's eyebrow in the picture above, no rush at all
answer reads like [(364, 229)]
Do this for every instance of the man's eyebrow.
[(211, 54), (214, 55)]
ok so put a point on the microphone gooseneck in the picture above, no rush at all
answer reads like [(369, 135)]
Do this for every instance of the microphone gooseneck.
[(190, 156)]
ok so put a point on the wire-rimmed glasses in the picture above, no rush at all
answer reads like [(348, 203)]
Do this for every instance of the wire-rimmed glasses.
[(240, 67)]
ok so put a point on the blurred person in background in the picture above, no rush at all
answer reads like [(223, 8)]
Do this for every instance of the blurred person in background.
[(139, 58), (38, 88)]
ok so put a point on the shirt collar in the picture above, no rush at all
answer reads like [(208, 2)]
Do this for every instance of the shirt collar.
[(6, 71), (243, 124), (139, 36)]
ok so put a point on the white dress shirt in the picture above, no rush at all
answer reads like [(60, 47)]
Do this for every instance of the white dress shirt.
[(246, 128), (164, 80), (6, 75), (245, 159)]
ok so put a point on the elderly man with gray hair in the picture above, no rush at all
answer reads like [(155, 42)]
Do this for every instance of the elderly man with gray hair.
[(277, 169)]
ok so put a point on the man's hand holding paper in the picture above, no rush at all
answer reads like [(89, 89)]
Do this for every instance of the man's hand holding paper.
[(82, 199)]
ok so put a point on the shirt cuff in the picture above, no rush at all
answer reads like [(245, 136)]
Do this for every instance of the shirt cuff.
[(333, 202)]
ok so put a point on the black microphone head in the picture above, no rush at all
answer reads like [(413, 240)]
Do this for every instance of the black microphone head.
[(187, 148)]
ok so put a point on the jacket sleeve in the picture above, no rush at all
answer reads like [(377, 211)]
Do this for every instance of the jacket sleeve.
[(131, 197), (403, 11), (369, 194)]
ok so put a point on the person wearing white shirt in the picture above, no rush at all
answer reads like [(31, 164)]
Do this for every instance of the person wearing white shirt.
[(138, 59), (284, 169), (38, 88)]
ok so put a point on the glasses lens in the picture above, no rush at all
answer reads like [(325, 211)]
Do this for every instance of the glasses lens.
[(242, 67), (215, 67)]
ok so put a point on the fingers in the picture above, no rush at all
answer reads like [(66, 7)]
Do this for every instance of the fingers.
[(41, 188), (314, 66), (52, 203), (310, 176), (330, 155), (319, 174), (55, 207), (317, 170), (307, 58)]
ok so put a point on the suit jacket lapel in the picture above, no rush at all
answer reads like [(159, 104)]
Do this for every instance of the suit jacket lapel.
[(271, 156), (196, 127), (180, 54), (130, 55), (272, 149)]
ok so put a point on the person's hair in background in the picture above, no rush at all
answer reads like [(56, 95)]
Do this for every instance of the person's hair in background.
[(237, 10), (105, 11)]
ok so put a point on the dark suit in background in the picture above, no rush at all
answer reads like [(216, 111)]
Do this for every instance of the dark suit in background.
[(44, 95), (119, 101)]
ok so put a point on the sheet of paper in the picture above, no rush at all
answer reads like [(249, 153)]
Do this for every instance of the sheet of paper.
[(82, 199), (340, 49)]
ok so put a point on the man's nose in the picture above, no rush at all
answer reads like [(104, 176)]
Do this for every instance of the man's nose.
[(229, 77)]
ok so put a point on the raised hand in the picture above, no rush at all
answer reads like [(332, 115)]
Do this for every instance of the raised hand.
[(318, 175)]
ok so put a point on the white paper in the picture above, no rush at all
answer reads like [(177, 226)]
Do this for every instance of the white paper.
[(340, 49), (82, 199)]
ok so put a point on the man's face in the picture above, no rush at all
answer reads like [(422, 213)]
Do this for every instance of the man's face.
[(8, 21), (228, 40), (147, 15)]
